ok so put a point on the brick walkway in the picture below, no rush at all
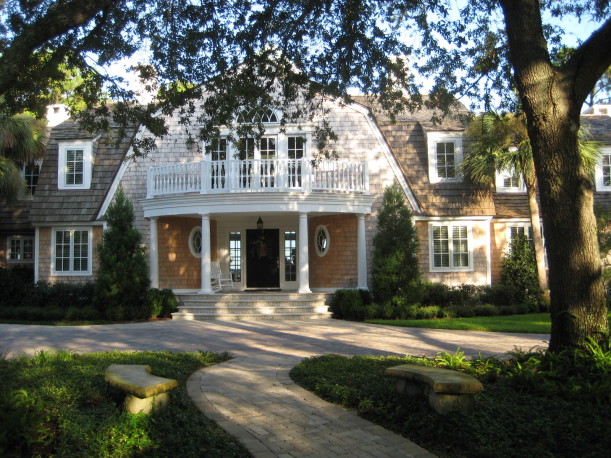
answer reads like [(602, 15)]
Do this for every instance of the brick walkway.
[(252, 396)]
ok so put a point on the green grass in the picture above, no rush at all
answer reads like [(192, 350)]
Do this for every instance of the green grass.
[(75, 413), (520, 413), (536, 323)]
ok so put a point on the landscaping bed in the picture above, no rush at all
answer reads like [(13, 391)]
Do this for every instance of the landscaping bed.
[(57, 404), (526, 408)]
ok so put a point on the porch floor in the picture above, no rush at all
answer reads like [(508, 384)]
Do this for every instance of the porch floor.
[(253, 305)]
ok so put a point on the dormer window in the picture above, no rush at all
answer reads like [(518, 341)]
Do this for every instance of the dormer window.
[(603, 170), (445, 154), (509, 181), (74, 165), (30, 173)]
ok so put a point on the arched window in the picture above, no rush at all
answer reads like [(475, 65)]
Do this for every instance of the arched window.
[(265, 116)]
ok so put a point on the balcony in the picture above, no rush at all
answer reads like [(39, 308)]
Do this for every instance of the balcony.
[(258, 175)]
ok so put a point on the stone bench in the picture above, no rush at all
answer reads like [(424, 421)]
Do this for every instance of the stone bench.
[(447, 390), (145, 392)]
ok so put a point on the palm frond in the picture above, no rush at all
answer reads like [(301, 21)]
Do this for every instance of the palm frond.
[(22, 138), (12, 185)]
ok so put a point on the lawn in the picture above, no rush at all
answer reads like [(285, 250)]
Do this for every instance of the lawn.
[(537, 323), (520, 413), (68, 410)]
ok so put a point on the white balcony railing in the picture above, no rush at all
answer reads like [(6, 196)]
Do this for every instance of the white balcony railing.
[(252, 175)]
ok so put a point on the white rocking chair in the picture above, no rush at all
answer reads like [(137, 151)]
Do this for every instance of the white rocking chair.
[(219, 280)]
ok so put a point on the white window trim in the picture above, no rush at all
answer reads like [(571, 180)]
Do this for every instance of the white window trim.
[(38, 162), (604, 151), (72, 273), (323, 229), (526, 227), (21, 238), (281, 134), (451, 225), (500, 182), (191, 236), (432, 138), (63, 147)]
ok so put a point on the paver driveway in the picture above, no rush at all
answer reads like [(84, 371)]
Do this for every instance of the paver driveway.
[(252, 396)]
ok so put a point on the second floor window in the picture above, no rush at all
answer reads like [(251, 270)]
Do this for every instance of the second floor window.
[(446, 160), (444, 156), (30, 173), (75, 165), (603, 170), (509, 181)]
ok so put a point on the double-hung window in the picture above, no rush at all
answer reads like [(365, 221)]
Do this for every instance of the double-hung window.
[(30, 173), (520, 229), (450, 246), (72, 251), (75, 165), (510, 181), (445, 153), (603, 170), (20, 249)]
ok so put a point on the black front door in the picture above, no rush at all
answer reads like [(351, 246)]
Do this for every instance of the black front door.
[(262, 258)]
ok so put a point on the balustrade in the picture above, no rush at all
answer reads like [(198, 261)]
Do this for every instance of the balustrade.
[(252, 175)]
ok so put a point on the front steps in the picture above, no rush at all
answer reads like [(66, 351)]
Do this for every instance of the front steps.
[(253, 306)]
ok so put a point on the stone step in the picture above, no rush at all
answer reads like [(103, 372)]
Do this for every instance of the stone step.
[(253, 306), (251, 317), (244, 309)]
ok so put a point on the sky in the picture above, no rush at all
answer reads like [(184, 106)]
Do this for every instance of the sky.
[(575, 32)]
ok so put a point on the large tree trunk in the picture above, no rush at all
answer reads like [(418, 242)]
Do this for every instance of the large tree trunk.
[(537, 234), (552, 106)]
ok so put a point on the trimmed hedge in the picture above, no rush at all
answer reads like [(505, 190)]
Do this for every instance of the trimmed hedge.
[(439, 301), (24, 300)]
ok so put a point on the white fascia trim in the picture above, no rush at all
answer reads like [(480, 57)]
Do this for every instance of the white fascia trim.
[(273, 202), (453, 218), (513, 220), (69, 224), (117, 181), (375, 130)]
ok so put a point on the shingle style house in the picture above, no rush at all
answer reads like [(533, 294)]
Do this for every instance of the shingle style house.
[(269, 214)]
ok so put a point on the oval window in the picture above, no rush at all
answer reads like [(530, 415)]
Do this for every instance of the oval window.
[(322, 240), (195, 242)]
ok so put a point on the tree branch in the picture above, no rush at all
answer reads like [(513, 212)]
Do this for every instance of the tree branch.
[(60, 18), (590, 61)]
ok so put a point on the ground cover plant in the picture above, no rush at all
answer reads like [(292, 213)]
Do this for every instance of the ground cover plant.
[(57, 404), (533, 404)]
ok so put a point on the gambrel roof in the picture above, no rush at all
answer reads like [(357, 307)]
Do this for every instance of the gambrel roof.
[(52, 205)]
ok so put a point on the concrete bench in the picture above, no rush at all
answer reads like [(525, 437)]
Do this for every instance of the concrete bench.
[(145, 392), (447, 390)]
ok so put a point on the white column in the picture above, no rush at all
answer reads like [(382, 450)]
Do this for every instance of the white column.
[(154, 254), (304, 263), (206, 269), (37, 254), (361, 252)]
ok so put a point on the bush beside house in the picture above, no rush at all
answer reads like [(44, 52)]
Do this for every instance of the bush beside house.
[(395, 267), (122, 279)]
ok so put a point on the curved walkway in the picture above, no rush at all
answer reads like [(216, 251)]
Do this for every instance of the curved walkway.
[(252, 395)]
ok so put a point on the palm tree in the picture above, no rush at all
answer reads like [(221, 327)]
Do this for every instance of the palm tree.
[(21, 142), (500, 143)]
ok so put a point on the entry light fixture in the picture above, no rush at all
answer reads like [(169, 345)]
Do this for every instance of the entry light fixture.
[(260, 224)]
